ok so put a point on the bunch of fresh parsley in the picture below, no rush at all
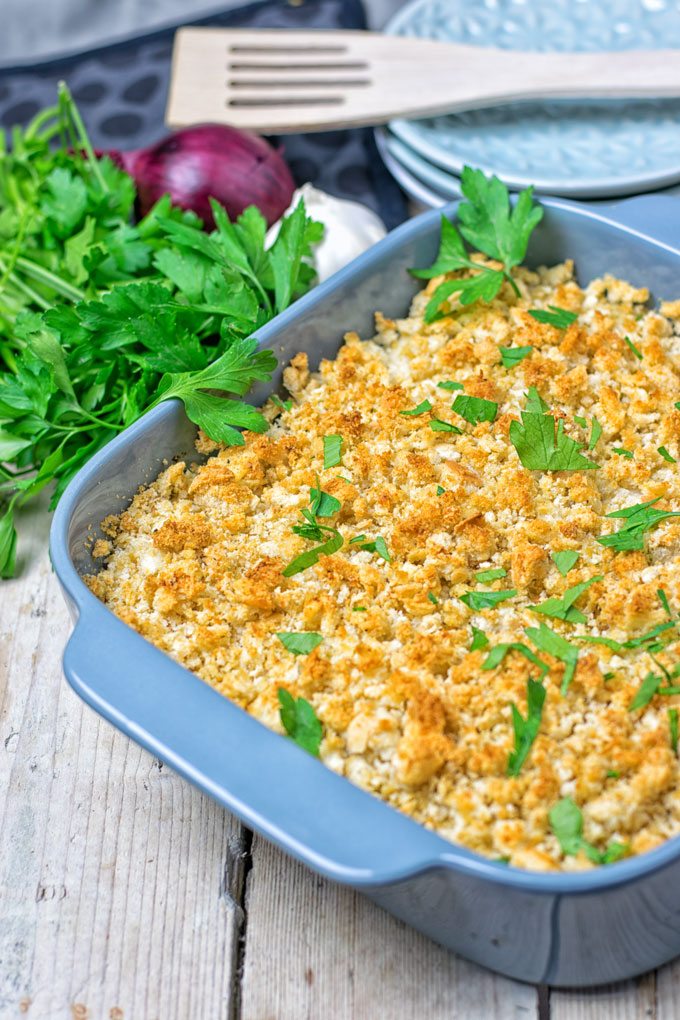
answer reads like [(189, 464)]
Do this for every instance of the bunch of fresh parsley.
[(101, 318)]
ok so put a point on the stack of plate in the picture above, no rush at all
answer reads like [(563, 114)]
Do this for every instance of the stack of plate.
[(578, 150)]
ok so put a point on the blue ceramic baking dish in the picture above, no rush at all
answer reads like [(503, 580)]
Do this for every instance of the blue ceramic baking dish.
[(563, 929)]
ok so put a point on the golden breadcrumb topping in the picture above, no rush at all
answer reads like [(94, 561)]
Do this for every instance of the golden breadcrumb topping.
[(408, 710)]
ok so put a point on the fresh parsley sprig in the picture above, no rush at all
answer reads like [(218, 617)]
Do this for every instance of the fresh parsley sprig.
[(543, 445), (640, 519), (488, 223), (526, 729)]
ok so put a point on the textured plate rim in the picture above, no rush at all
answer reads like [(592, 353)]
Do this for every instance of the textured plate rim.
[(588, 187)]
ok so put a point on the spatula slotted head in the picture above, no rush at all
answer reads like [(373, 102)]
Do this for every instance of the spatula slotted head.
[(267, 81)]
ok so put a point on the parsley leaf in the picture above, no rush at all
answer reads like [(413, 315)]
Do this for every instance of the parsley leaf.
[(666, 455), (595, 433), (548, 641), (535, 402), (673, 729), (284, 405), (332, 451), (560, 318), (487, 222), (490, 575), (422, 407), (486, 599), (566, 822), (377, 545), (433, 598), (311, 557), (299, 644), (8, 544), (449, 384), (512, 356), (499, 652), (526, 730), (622, 453), (474, 409), (639, 518), (322, 504), (648, 688), (563, 608), (300, 722), (541, 448), (440, 490), (565, 560), (437, 425), (479, 639), (636, 351)]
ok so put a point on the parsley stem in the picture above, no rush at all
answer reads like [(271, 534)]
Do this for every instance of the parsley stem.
[(50, 114), (42, 275), (83, 139), (28, 291)]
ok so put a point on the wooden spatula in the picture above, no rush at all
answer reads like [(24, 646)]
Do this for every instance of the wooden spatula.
[(283, 81)]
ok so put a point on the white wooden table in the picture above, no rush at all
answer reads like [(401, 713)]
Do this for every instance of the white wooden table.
[(125, 894)]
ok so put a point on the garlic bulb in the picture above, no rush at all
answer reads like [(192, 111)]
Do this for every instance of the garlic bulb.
[(351, 228)]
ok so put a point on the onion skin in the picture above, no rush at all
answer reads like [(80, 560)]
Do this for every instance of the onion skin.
[(211, 161)]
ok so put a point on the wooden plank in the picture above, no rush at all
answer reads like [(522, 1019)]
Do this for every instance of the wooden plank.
[(119, 883), (314, 949), (668, 992), (629, 1000)]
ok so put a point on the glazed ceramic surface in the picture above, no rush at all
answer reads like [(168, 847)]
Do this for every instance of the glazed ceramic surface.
[(580, 928), (585, 149)]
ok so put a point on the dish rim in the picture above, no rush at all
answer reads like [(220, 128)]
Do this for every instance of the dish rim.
[(448, 856)]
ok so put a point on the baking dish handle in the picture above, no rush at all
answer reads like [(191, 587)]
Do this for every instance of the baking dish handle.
[(656, 216), (263, 778)]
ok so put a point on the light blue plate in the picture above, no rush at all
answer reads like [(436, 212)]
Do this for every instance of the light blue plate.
[(584, 149)]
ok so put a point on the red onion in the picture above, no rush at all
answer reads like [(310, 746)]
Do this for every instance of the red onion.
[(211, 161)]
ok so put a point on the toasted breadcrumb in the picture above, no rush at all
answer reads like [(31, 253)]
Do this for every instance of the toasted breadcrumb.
[(407, 712)]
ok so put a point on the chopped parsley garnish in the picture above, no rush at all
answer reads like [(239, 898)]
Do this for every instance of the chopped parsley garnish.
[(422, 408), (511, 356), (648, 641), (548, 641), (566, 822), (560, 318), (636, 350), (322, 504), (494, 227), (541, 448), (437, 425), (440, 490), (497, 654), (474, 409), (673, 729), (358, 609), (565, 560), (648, 688), (299, 644), (479, 639), (580, 420), (595, 433), (622, 453), (285, 405), (526, 730), (377, 545), (433, 598), (666, 455), (613, 774), (311, 556), (450, 385), (535, 403), (663, 599), (563, 608), (639, 519), (490, 575), (486, 599), (300, 722), (332, 451)]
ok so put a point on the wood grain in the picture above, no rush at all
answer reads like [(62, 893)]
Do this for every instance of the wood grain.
[(122, 889), (314, 949), (119, 883)]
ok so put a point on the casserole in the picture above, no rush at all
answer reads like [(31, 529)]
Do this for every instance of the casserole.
[(583, 928)]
